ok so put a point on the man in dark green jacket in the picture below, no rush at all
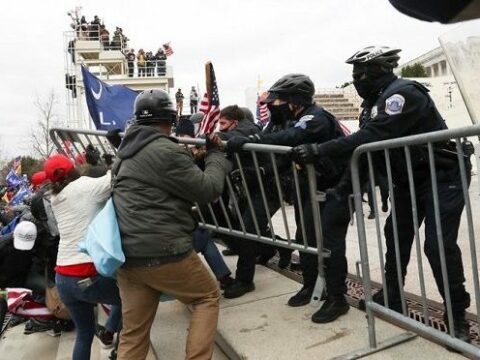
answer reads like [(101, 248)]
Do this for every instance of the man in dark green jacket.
[(157, 183)]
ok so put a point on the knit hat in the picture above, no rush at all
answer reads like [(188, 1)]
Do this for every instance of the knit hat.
[(24, 235), (57, 167), (185, 127)]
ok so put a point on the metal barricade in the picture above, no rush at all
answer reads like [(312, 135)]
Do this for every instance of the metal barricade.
[(382, 151), (257, 187)]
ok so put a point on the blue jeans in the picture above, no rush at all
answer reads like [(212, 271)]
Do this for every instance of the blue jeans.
[(203, 243), (81, 300)]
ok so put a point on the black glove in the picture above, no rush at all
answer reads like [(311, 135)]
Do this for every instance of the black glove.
[(92, 155), (236, 143), (306, 153), (113, 136)]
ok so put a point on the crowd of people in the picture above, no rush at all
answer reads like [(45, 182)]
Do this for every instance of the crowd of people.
[(96, 30), (194, 99), (147, 63), (154, 182)]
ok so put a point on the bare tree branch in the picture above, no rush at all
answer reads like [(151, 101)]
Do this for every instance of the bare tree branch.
[(42, 145)]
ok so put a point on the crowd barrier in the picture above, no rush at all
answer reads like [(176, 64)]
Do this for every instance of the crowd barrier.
[(248, 188), (361, 161), (249, 180)]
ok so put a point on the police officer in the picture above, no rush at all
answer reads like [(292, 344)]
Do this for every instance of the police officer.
[(290, 101), (392, 108)]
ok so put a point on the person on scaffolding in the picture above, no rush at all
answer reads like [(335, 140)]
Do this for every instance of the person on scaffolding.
[(393, 108), (290, 100)]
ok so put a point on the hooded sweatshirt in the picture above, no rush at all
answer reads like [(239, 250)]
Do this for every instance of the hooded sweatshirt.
[(155, 188)]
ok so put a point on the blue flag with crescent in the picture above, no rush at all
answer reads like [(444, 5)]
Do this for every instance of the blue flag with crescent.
[(110, 106)]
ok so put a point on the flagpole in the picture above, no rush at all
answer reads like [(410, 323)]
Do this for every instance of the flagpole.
[(208, 77)]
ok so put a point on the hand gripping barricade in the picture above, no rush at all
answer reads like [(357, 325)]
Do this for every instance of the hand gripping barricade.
[(458, 155), (248, 187)]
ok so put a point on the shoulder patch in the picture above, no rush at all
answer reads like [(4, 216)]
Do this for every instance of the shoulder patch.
[(374, 112), (394, 104), (302, 123)]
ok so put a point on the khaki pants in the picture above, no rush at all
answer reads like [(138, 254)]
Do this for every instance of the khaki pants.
[(179, 108), (187, 280)]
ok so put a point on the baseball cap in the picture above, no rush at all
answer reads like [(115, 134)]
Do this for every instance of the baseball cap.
[(38, 178), (57, 166), (24, 235)]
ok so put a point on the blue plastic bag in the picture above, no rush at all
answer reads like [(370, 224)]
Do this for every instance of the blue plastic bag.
[(103, 243)]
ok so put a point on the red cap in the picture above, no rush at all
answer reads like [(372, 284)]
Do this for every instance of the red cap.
[(57, 167), (80, 158), (38, 178)]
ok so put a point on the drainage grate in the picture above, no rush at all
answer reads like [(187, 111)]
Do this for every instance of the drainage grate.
[(415, 309)]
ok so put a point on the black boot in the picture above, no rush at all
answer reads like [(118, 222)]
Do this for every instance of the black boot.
[(285, 258), (331, 309), (266, 255), (460, 327), (394, 302), (237, 289), (302, 297)]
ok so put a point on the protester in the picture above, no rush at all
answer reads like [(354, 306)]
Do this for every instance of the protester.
[(202, 238), (392, 108), (193, 100), (150, 63), (161, 59), (159, 182), (141, 62), (179, 99), (16, 255), (104, 37), (75, 201), (130, 56), (94, 28)]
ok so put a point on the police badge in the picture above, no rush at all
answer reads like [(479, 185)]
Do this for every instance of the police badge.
[(394, 104)]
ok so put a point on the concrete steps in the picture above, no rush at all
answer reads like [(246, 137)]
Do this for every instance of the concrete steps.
[(260, 326), (338, 104), (256, 326)]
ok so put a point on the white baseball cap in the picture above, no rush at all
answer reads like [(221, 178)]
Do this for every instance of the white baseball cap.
[(24, 235)]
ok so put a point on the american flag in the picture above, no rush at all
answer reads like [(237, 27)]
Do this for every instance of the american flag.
[(210, 104), (262, 110), (168, 49)]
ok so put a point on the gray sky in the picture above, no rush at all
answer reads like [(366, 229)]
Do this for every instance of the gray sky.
[(243, 38)]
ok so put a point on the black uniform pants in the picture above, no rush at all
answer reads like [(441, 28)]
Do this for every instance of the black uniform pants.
[(335, 217), (248, 250), (451, 205), (382, 182)]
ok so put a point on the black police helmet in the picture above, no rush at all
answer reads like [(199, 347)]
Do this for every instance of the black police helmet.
[(296, 88), (152, 106)]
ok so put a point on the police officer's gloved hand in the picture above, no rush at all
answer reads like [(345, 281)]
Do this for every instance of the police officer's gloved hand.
[(236, 143), (113, 136), (306, 153)]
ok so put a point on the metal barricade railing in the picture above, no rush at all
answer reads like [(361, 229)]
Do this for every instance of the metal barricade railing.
[(258, 181), (379, 154)]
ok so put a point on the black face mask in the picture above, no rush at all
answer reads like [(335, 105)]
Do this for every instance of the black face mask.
[(364, 87), (280, 114)]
